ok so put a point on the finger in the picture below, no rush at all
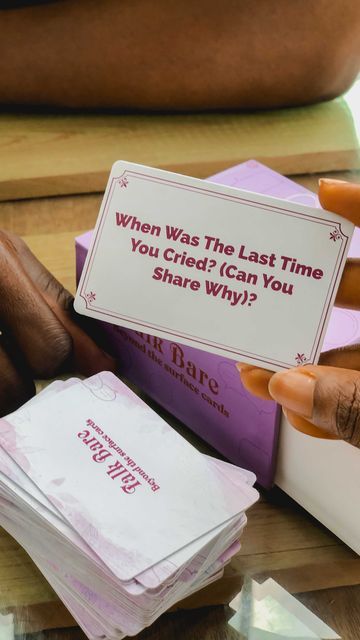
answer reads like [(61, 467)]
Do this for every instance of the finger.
[(341, 197), (348, 295), (327, 397), (87, 357), (303, 425), (15, 387), (255, 380), (27, 319), (343, 357)]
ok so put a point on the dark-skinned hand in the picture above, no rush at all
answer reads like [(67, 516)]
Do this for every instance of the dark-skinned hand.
[(324, 400), (40, 336)]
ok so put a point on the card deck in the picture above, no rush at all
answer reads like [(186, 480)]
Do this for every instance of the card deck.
[(117, 566)]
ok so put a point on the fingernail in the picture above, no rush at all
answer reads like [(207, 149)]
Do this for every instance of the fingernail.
[(303, 425), (330, 181), (241, 365), (294, 390)]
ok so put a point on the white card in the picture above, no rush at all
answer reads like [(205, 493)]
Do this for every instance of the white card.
[(127, 483), (228, 271)]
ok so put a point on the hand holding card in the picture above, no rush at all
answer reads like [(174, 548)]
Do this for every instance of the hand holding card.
[(308, 409), (214, 267)]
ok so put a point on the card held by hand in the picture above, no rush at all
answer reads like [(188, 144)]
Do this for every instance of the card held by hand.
[(243, 275)]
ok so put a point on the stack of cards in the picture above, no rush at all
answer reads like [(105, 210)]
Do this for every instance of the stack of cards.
[(122, 516)]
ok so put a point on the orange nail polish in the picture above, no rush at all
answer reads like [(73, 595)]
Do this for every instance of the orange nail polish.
[(330, 181), (256, 381), (303, 425), (242, 367), (294, 390)]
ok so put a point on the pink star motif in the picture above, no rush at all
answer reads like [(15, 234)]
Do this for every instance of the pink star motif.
[(335, 235), (300, 358), (90, 297), (123, 182)]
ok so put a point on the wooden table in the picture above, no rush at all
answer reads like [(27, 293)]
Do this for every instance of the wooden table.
[(280, 541)]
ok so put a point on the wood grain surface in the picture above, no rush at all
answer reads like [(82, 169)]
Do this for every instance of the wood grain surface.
[(45, 154)]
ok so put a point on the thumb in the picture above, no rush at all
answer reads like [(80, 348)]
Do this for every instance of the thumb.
[(327, 397), (341, 197)]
